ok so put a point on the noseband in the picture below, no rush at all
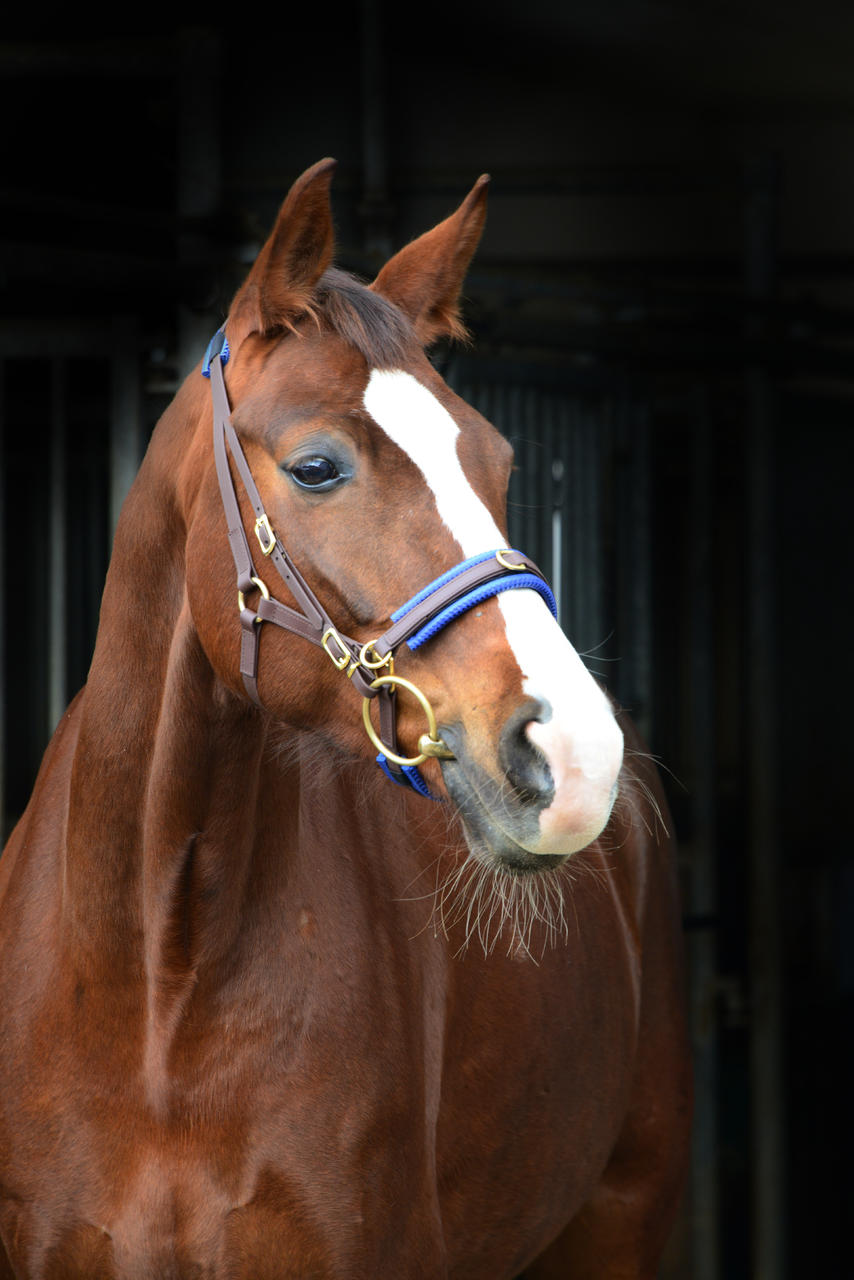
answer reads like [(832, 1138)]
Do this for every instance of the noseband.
[(370, 667)]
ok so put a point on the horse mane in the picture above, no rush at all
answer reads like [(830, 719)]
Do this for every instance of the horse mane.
[(367, 321)]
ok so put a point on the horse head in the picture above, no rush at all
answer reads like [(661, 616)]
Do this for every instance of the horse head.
[(376, 480)]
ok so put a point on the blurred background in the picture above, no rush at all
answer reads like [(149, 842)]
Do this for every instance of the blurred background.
[(662, 311)]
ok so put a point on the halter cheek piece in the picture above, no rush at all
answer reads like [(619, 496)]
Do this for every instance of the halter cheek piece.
[(369, 666)]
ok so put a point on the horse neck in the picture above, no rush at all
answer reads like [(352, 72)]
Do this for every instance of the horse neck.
[(164, 753), (189, 812)]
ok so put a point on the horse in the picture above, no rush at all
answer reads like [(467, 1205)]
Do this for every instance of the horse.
[(341, 935)]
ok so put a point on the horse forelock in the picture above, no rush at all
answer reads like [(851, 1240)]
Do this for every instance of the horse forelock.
[(366, 320)]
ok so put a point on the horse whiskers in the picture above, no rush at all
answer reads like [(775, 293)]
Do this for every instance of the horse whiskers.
[(656, 761), (490, 904), (636, 797), (471, 896)]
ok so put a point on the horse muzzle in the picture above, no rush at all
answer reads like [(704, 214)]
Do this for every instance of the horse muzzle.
[(548, 796)]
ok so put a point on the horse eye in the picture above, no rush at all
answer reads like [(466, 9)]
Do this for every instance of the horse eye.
[(315, 473)]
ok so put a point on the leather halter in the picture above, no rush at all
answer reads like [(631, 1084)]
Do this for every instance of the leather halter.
[(416, 622)]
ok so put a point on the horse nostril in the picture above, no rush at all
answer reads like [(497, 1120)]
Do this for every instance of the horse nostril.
[(524, 764)]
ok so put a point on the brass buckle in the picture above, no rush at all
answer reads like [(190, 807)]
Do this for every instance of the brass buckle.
[(344, 655), (375, 663), (429, 744), (505, 564), (263, 524), (241, 600)]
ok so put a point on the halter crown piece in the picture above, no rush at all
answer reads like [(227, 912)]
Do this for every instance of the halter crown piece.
[(370, 667)]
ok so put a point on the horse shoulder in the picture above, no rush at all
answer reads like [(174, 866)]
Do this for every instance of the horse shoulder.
[(37, 836)]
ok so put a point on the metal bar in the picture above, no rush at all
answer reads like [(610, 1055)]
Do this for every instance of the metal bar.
[(565, 446), (642, 605), (3, 701), (702, 895), (555, 485), (767, 1101), (575, 498), (510, 399), (562, 450), (125, 433), (587, 558), (593, 569), (57, 692), (534, 493), (633, 519)]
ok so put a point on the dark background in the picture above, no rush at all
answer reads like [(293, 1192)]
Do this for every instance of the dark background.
[(663, 312)]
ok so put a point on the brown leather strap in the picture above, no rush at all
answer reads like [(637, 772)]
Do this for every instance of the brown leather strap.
[(236, 534), (311, 620)]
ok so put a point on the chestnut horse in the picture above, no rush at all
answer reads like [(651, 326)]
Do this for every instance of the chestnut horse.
[(267, 1009)]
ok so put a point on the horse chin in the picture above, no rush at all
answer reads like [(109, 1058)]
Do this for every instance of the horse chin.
[(496, 849), (509, 843)]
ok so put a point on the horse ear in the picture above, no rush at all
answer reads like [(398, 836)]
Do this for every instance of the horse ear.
[(298, 250), (425, 278)]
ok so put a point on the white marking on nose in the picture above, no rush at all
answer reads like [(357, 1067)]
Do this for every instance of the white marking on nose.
[(581, 741)]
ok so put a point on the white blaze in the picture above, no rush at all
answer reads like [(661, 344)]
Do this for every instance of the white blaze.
[(581, 741)]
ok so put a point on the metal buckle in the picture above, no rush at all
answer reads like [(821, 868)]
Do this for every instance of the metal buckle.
[(263, 523), (505, 564), (344, 656), (375, 662)]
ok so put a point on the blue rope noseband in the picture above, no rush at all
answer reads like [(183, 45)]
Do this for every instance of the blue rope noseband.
[(511, 581)]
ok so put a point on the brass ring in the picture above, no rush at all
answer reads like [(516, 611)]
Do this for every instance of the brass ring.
[(425, 707), (241, 600), (505, 564)]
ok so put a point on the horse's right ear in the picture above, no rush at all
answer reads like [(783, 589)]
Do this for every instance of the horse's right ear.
[(280, 286), (425, 278)]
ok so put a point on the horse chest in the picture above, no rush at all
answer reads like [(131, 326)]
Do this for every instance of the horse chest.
[(295, 1156)]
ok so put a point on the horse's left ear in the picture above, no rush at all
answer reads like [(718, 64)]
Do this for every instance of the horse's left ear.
[(280, 286), (425, 278)]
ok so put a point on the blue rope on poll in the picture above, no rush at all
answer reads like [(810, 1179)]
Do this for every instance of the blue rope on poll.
[(218, 346)]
